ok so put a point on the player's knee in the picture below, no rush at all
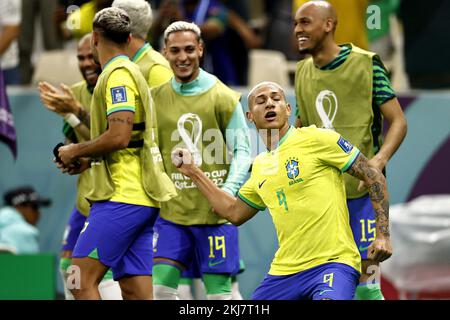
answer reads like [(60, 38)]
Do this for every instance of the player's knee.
[(136, 287), (83, 291), (128, 294)]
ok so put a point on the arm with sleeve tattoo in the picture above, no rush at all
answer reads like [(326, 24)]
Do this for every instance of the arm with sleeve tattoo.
[(380, 249), (116, 137)]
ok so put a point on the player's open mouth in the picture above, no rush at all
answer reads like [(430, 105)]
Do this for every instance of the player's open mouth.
[(271, 115)]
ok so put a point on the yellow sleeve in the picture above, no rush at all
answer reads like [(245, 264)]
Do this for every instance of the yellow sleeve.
[(335, 150), (158, 75), (248, 193), (121, 92)]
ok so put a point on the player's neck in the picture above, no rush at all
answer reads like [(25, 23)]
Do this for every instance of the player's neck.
[(135, 45), (327, 53), (108, 53), (272, 137)]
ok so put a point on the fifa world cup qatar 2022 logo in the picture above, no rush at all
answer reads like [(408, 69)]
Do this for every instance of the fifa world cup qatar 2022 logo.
[(327, 107), (192, 138)]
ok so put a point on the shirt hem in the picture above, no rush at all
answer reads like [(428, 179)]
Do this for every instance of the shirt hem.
[(287, 273)]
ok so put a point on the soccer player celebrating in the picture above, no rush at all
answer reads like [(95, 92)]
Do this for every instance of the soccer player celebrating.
[(73, 104), (299, 179), (206, 115), (119, 230), (345, 88)]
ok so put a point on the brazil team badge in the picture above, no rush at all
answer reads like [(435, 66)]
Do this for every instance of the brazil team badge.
[(293, 171)]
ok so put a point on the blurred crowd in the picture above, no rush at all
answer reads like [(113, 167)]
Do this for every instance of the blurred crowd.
[(231, 28)]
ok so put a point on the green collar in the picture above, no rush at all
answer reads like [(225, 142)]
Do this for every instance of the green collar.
[(120, 56), (202, 83), (342, 56), (141, 51), (288, 133), (283, 139)]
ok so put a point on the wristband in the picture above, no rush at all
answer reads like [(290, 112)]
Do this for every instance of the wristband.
[(72, 120)]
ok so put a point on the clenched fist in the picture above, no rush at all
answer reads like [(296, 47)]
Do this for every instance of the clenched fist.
[(380, 249), (183, 160)]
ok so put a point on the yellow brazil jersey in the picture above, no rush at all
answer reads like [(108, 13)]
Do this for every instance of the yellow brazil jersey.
[(300, 183), (122, 95), (155, 68)]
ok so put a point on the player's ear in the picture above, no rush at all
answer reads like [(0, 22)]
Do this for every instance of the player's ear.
[(288, 109), (94, 38), (200, 49), (329, 25), (249, 115)]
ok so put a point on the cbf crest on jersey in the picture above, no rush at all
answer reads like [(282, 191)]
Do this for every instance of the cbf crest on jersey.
[(345, 145), (293, 171), (118, 94)]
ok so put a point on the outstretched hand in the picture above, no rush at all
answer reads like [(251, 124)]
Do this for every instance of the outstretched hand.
[(59, 101)]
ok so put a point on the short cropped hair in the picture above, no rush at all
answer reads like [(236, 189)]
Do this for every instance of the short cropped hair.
[(140, 13), (264, 83), (113, 24), (182, 26)]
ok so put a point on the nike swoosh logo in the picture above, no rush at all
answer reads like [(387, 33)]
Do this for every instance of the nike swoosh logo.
[(323, 291), (213, 264), (361, 248), (261, 184)]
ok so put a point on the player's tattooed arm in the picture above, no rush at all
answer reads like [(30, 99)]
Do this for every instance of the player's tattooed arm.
[(116, 137), (376, 184), (120, 126)]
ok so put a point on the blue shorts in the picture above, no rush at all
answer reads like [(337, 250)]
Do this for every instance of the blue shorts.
[(334, 281), (73, 229), (193, 271), (214, 246), (362, 222), (120, 236)]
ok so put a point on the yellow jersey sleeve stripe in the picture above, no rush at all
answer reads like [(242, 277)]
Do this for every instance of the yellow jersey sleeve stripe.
[(121, 108), (351, 161), (251, 204)]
